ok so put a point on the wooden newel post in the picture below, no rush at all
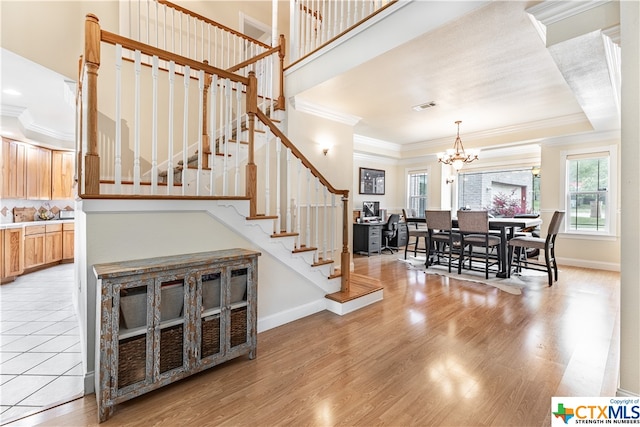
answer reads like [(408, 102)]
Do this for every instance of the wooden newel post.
[(92, 64), (252, 172), (345, 258), (280, 105)]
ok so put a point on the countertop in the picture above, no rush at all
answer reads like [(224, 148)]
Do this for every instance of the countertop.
[(28, 223)]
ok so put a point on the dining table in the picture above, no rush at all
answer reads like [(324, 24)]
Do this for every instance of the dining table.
[(507, 227)]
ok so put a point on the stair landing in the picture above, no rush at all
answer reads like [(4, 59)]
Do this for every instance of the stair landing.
[(363, 290)]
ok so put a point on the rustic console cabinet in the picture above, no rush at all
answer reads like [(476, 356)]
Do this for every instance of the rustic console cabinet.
[(163, 319)]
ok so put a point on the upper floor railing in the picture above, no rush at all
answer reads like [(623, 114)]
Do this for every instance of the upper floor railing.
[(316, 23)]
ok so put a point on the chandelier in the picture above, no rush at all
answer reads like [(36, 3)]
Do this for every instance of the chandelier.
[(456, 156)]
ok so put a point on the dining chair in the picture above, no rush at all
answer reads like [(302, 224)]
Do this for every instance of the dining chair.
[(548, 245), (442, 240), (474, 232), (417, 231)]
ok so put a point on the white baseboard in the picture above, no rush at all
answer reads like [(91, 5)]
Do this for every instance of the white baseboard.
[(610, 266), (278, 319), (89, 383), (355, 304), (625, 393)]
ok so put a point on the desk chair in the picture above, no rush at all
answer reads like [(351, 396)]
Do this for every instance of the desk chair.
[(389, 231), (548, 245), (474, 231)]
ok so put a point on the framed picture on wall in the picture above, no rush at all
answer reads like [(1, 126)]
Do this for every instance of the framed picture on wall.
[(371, 181)]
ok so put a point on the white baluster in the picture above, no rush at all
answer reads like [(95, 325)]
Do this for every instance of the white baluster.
[(278, 172), (267, 176), (227, 137), (154, 126), (185, 129), (288, 189), (200, 127), (136, 125), (298, 187), (172, 74), (213, 132), (332, 229), (118, 120), (308, 221), (317, 219), (238, 137), (324, 223)]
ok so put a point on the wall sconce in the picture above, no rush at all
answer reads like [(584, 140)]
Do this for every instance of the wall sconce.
[(450, 180), (535, 171), (325, 150)]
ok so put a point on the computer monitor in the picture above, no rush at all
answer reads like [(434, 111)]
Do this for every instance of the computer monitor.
[(370, 209)]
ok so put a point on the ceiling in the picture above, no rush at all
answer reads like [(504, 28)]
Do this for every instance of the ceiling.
[(490, 69), (37, 104)]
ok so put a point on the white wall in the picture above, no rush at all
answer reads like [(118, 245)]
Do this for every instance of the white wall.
[(110, 235)]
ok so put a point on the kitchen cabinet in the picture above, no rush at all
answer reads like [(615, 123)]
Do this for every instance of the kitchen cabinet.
[(13, 165), (38, 173), (34, 246), (52, 243), (68, 241), (62, 172), (162, 319), (13, 253)]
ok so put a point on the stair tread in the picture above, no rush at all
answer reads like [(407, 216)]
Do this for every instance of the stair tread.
[(322, 262), (304, 249)]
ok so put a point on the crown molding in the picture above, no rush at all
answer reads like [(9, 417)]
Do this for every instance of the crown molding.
[(368, 142), (550, 12), (528, 127), (305, 106), (374, 158), (28, 126)]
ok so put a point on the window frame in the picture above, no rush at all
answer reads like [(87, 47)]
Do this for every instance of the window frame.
[(610, 211), (409, 196)]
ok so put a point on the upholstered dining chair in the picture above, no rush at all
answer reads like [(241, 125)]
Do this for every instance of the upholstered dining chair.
[(548, 245), (441, 239), (474, 232), (415, 231)]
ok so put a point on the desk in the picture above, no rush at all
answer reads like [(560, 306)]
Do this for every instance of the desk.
[(506, 226), (367, 237)]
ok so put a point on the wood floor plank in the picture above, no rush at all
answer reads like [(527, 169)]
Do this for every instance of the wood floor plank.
[(435, 351)]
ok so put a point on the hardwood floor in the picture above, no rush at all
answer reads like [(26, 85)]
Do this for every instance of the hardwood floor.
[(434, 352)]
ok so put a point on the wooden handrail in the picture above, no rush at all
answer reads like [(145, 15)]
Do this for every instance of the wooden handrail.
[(256, 58), (146, 49), (209, 21), (287, 142)]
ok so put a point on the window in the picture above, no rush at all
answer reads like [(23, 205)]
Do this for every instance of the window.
[(417, 193), (588, 192), (504, 193)]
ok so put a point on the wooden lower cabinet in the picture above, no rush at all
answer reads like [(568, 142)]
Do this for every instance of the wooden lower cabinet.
[(34, 246), (53, 243), (163, 319), (68, 241), (13, 252)]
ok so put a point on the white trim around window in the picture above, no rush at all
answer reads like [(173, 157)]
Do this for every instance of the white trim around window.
[(611, 210)]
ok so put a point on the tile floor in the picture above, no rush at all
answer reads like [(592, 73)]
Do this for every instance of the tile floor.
[(40, 358)]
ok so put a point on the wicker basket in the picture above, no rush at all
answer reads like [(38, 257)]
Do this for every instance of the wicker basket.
[(171, 348), (238, 326), (210, 343), (132, 360)]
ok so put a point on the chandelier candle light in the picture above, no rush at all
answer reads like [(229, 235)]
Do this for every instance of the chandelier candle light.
[(456, 156)]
